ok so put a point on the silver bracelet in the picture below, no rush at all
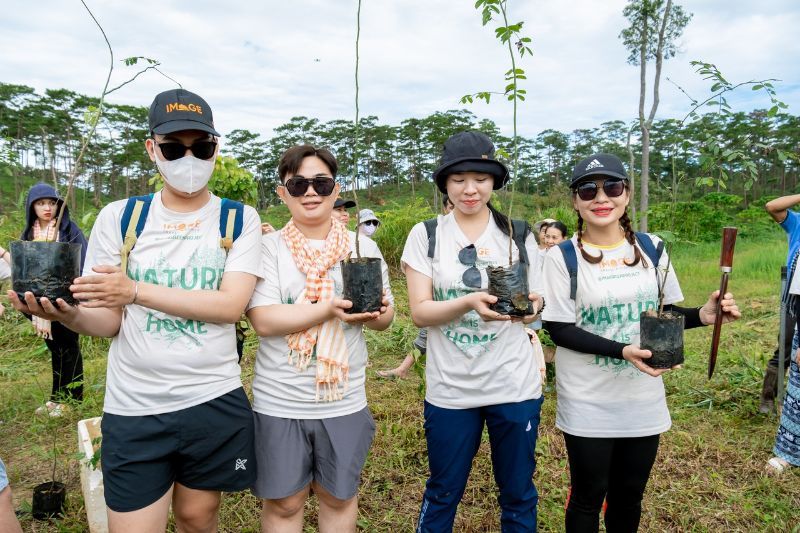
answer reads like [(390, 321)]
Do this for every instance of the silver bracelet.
[(135, 291)]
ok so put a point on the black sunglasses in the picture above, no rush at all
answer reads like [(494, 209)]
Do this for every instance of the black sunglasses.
[(371, 223), (298, 186), (612, 188), (471, 276), (175, 150)]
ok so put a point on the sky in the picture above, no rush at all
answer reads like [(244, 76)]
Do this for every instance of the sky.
[(260, 63)]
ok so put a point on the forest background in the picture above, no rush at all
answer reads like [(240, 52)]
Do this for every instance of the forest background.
[(714, 167)]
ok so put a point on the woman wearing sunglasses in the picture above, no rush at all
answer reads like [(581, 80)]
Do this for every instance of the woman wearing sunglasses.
[(611, 405), (480, 368), (313, 427)]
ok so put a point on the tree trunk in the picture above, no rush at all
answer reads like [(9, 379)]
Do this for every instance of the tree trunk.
[(632, 171)]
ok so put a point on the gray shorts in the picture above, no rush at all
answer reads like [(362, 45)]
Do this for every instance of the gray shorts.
[(292, 452)]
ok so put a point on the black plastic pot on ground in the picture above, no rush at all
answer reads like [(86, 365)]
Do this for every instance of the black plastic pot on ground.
[(663, 336), (363, 284), (48, 500), (46, 269), (510, 285)]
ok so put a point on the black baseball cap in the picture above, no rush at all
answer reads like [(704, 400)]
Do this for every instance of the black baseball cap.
[(341, 202), (469, 151), (598, 165), (178, 110)]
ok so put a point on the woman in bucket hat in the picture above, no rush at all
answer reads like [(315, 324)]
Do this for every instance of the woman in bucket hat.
[(611, 404), (480, 368)]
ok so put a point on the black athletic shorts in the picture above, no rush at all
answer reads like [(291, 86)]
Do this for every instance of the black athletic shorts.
[(206, 447)]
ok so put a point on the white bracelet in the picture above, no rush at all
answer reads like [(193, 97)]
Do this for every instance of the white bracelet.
[(135, 291)]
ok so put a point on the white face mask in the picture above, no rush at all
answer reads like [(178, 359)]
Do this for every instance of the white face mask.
[(187, 174), (368, 230)]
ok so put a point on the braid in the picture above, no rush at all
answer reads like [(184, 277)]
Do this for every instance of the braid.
[(592, 259), (630, 236)]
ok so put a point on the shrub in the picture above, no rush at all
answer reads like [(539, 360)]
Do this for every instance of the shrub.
[(396, 224)]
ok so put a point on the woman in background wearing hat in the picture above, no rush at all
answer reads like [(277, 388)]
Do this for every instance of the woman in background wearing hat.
[(480, 367), (611, 405), (367, 222), (340, 207)]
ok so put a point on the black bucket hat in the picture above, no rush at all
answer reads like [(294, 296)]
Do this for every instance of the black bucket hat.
[(178, 110), (598, 165), (469, 151)]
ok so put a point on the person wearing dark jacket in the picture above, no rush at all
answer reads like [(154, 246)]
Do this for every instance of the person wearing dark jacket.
[(41, 208)]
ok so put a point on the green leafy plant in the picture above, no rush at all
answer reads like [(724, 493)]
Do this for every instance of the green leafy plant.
[(511, 37), (716, 158), (94, 113)]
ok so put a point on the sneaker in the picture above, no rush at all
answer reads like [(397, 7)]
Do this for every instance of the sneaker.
[(57, 410), (777, 466), (46, 408)]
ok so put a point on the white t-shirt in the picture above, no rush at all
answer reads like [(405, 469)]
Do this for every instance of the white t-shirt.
[(159, 363), (5, 270), (601, 396), (472, 363), (279, 389)]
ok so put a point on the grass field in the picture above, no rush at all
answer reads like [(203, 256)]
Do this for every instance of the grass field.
[(708, 476)]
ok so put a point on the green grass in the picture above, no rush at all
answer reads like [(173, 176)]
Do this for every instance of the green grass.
[(708, 476)]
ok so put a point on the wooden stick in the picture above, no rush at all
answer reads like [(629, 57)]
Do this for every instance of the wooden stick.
[(725, 266)]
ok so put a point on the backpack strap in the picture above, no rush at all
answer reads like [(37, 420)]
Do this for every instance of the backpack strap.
[(133, 218), (430, 228), (571, 260), (231, 220), (653, 253), (520, 230)]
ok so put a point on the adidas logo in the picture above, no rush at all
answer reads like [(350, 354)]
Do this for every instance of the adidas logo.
[(594, 164)]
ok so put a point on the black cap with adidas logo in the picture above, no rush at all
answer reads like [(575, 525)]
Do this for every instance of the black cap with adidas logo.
[(598, 165)]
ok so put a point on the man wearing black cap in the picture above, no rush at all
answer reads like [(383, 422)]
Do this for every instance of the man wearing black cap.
[(340, 207), (177, 426)]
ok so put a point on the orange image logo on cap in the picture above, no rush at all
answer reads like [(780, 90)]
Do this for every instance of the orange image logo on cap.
[(183, 107)]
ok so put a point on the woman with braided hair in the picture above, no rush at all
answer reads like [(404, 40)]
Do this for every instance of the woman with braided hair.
[(611, 405)]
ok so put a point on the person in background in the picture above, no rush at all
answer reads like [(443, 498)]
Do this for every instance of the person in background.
[(43, 204), (367, 222), (8, 519), (555, 233), (611, 405), (787, 441), (539, 229), (421, 342), (780, 211), (340, 210)]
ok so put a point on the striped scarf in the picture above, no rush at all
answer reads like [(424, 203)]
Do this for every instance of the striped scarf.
[(47, 234), (325, 340), (44, 328)]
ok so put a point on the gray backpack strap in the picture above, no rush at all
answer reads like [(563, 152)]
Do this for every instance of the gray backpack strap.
[(521, 229), (430, 228)]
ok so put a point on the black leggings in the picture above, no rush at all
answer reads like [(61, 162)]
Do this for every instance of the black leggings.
[(616, 469), (67, 364)]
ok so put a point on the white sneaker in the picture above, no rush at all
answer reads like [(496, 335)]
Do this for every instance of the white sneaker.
[(46, 408), (57, 410), (778, 466)]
